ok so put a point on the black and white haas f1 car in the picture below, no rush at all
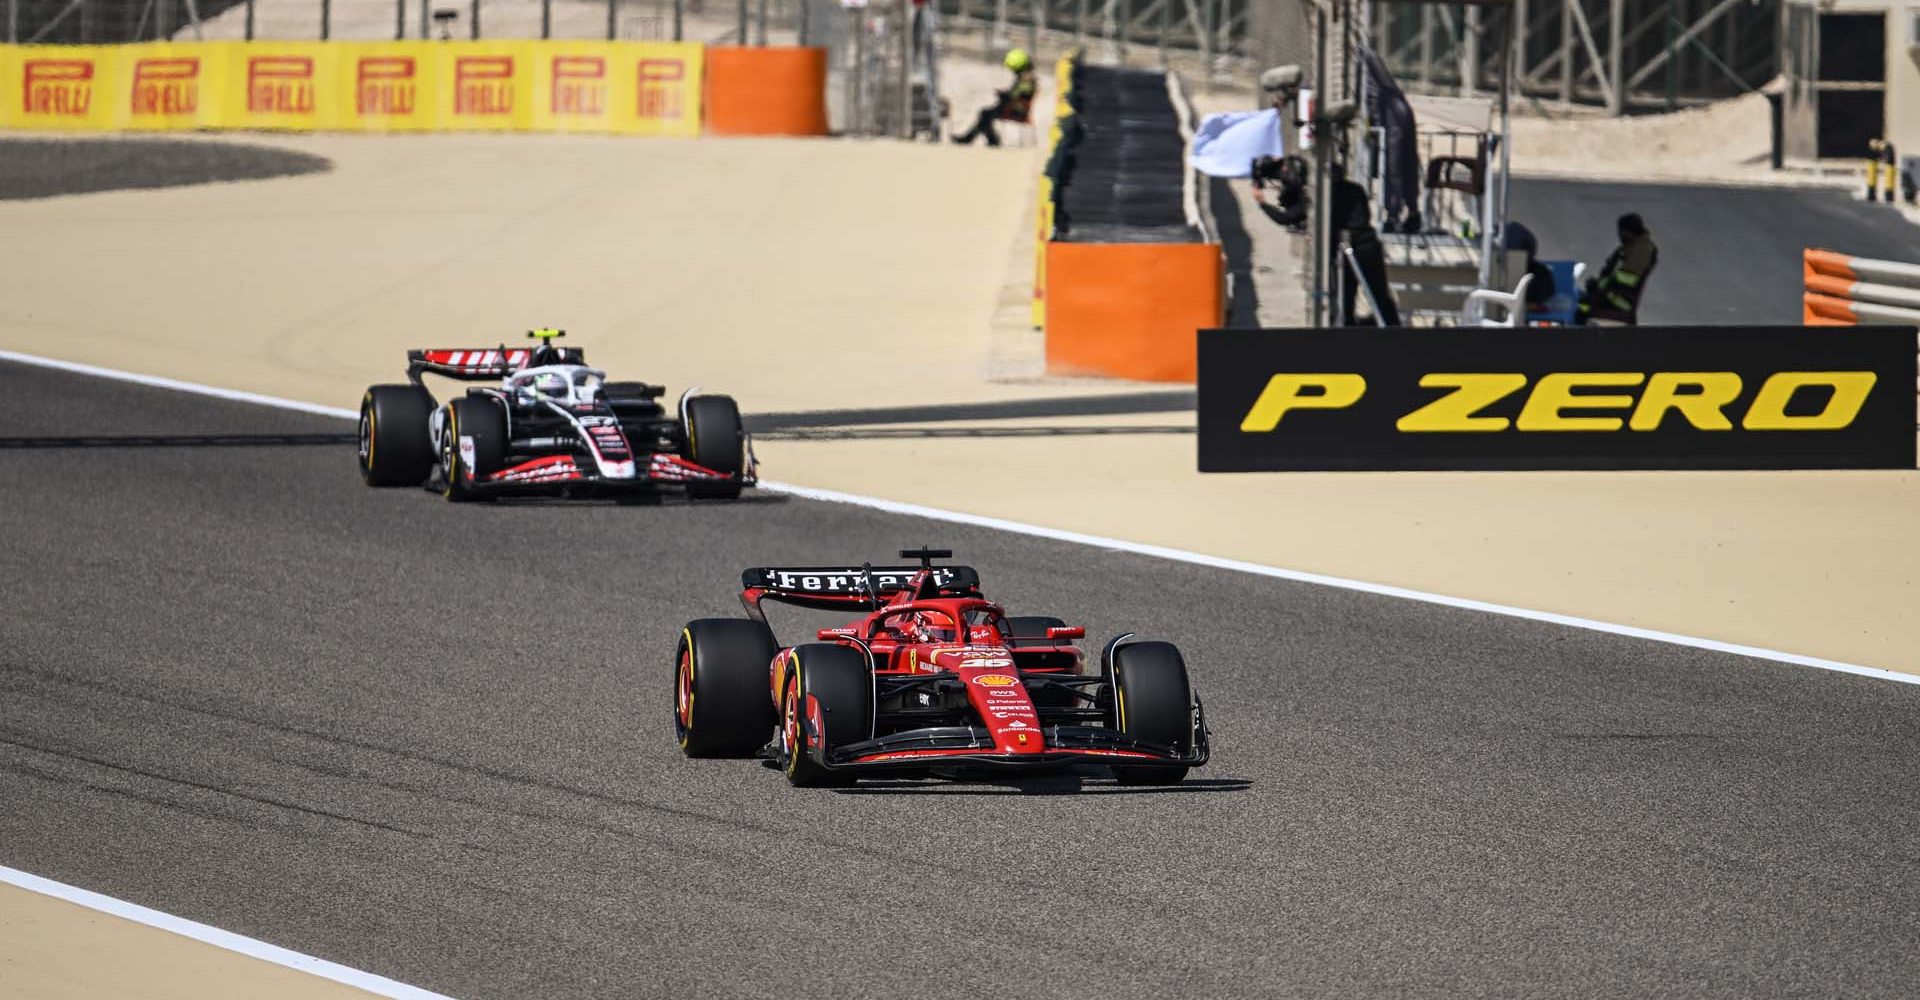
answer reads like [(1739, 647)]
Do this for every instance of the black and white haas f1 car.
[(551, 425), (935, 680)]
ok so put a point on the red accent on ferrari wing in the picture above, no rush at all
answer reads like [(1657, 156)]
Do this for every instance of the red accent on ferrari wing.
[(897, 756)]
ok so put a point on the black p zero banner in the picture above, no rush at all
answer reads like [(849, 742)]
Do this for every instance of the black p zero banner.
[(1573, 398)]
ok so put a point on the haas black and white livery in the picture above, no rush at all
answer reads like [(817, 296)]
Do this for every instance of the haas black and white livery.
[(550, 425)]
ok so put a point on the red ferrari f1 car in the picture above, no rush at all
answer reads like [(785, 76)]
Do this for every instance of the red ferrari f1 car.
[(934, 680), (548, 425)]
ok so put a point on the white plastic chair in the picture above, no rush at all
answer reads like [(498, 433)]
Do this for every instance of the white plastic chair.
[(1513, 304), (1014, 132)]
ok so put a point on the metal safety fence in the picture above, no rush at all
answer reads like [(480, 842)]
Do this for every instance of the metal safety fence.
[(106, 22)]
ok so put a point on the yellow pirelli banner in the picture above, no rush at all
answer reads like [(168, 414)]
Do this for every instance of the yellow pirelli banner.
[(634, 88)]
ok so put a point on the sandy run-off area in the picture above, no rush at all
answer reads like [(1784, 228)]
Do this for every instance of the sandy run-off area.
[(837, 275), (51, 949), (1726, 142)]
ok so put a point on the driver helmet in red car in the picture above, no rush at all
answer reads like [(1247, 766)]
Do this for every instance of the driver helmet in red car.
[(925, 626)]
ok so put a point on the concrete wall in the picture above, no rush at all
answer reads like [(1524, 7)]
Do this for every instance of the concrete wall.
[(1903, 78), (1902, 74), (1278, 33)]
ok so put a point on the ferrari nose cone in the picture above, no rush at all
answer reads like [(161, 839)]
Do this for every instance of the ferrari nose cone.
[(1001, 698)]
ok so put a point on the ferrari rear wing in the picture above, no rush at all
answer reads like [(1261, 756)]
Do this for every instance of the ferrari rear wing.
[(479, 364), (831, 588)]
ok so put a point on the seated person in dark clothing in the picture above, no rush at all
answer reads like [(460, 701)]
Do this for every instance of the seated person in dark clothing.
[(1015, 104), (1540, 290), (1613, 298)]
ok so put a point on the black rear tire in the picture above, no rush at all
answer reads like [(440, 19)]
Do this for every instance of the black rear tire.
[(482, 420), (396, 447), (723, 703), (1152, 700), (716, 439), (839, 679)]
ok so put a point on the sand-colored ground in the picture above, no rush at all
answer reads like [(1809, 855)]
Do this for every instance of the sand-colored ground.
[(1823, 564), (51, 949), (828, 275), (719, 263), (1726, 142)]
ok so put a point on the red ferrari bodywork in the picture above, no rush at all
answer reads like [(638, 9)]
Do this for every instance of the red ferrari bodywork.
[(937, 647)]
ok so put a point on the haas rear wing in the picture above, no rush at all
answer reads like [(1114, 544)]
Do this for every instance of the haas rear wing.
[(478, 364), (840, 587)]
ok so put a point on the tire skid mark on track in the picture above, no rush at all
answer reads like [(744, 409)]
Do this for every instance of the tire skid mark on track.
[(8, 739), (499, 789)]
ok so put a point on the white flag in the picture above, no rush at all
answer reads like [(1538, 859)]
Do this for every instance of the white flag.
[(1225, 144)]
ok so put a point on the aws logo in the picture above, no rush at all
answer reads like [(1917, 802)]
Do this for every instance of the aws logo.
[(1568, 401)]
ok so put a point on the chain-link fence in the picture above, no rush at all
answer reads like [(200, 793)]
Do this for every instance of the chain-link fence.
[(87, 22), (1211, 41)]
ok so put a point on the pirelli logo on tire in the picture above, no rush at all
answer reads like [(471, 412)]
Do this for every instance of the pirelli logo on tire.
[(1645, 398)]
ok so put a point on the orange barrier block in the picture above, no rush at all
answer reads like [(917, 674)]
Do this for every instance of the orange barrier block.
[(775, 90), (1827, 263), (1826, 310), (1131, 310), (1822, 284)]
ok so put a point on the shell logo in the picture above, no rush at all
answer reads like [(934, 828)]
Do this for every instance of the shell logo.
[(996, 680)]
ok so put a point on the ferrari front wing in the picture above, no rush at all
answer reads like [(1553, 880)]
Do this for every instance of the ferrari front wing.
[(973, 747)]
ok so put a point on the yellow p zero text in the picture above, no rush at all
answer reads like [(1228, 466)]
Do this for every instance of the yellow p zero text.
[(1287, 391), (1643, 400)]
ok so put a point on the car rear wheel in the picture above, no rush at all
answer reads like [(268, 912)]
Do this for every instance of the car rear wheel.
[(396, 448), (475, 445), (717, 440), (1151, 700), (721, 703), (838, 680)]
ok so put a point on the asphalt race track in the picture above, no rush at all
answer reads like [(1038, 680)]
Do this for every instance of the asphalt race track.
[(1727, 254), (433, 742), (47, 167)]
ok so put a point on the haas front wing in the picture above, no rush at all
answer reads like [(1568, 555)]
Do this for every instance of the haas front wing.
[(589, 454), (644, 472)]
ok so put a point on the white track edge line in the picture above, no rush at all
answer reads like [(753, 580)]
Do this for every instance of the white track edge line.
[(274, 954), (196, 388), (1340, 583), (1097, 541)]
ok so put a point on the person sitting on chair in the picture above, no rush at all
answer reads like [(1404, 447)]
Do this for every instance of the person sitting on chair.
[(1613, 298), (1015, 104), (1540, 290)]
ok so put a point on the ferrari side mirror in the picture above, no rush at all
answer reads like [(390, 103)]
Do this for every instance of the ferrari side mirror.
[(1067, 632), (831, 634)]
